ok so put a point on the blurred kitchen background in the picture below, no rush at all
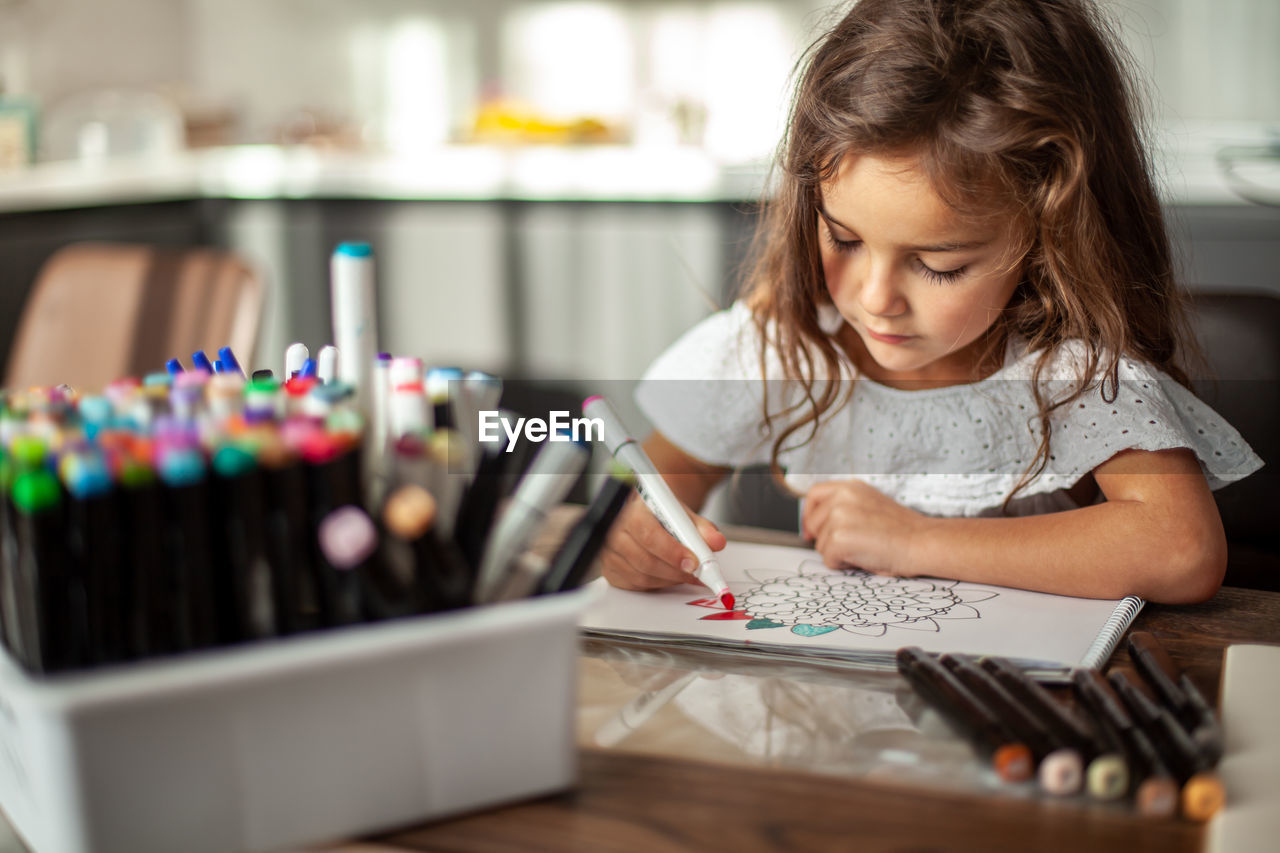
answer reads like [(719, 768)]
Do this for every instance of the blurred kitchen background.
[(553, 189)]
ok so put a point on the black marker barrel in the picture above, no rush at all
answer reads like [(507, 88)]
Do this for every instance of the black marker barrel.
[(1153, 664), (1155, 791), (349, 542), (8, 558), (333, 481), (1202, 791), (480, 502), (965, 713), (95, 544), (1066, 725), (1060, 768), (249, 578), (41, 573), (1172, 687), (1020, 722), (574, 558), (291, 549), (191, 546), (441, 577), (1184, 758), (1208, 733), (151, 615)]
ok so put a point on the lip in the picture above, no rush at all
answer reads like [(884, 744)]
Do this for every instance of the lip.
[(887, 339)]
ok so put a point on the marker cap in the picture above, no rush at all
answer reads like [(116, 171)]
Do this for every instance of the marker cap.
[(34, 491), (354, 249)]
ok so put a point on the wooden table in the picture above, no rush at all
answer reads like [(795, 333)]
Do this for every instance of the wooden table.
[(664, 792)]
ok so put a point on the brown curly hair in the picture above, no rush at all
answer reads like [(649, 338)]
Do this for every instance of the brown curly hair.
[(1013, 104)]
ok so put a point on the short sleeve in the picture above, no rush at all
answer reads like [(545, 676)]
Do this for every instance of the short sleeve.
[(1146, 410), (705, 393)]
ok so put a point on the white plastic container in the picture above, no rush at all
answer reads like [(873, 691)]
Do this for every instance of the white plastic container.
[(303, 739)]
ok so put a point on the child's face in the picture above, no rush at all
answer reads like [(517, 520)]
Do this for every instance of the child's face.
[(917, 283)]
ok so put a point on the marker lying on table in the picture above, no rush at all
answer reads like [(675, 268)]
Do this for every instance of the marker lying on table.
[(658, 496), (1177, 692), (1105, 763), (1059, 767), (966, 713), (1202, 791)]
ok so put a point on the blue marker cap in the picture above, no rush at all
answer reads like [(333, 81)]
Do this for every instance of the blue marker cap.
[(220, 366), (354, 250), (309, 368), (200, 361), (173, 366), (87, 476), (182, 467), (229, 359), (95, 409)]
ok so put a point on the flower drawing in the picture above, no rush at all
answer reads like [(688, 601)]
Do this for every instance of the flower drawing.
[(819, 600)]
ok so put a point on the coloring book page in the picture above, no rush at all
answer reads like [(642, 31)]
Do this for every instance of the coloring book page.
[(789, 602)]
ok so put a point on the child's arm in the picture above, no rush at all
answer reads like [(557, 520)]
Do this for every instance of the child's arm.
[(640, 553), (1158, 535)]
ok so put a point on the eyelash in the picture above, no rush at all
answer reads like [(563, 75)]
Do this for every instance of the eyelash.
[(935, 276)]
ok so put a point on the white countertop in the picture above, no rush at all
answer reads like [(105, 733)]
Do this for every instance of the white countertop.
[(1186, 160)]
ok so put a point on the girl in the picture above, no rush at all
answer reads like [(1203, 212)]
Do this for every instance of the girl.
[(964, 306)]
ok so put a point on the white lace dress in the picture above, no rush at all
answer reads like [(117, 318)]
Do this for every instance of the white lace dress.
[(955, 451)]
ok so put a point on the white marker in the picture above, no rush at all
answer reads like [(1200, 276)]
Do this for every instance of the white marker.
[(658, 496), (355, 315), (327, 364), (294, 355)]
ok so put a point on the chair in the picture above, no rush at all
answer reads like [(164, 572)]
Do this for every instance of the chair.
[(101, 311), (1240, 336)]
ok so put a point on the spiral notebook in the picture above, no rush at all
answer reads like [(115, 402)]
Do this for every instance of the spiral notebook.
[(790, 605)]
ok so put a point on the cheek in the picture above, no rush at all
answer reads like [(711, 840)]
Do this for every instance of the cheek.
[(832, 271)]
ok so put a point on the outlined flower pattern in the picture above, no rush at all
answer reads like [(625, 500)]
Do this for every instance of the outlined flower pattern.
[(819, 600)]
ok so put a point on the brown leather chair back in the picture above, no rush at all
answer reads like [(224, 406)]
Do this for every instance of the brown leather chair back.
[(101, 311), (1240, 335)]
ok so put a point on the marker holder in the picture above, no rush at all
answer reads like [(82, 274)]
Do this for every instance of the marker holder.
[(298, 739)]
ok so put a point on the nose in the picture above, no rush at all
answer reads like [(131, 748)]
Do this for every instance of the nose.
[(879, 292)]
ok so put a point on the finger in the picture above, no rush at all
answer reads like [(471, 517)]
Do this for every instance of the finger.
[(652, 537), (652, 569), (620, 569), (834, 548), (815, 519), (710, 533), (629, 564)]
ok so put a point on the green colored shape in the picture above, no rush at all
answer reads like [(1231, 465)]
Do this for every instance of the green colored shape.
[(813, 630), (34, 491)]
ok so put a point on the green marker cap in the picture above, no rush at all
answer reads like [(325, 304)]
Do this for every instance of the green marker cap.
[(37, 490), (135, 474), (232, 461), (28, 452)]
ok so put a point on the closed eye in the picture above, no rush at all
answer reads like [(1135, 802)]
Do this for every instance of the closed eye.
[(940, 276), (841, 246)]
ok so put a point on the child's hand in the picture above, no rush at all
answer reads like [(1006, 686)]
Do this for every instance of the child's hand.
[(853, 524), (641, 554)]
